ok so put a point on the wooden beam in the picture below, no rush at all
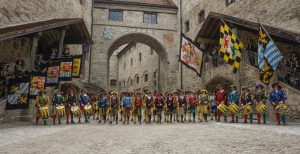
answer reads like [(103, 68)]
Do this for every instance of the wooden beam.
[(35, 40), (207, 41)]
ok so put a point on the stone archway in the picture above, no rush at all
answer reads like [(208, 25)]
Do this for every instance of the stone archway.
[(212, 84), (143, 39)]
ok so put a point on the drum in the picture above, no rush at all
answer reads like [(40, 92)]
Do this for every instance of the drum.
[(233, 108), (281, 108), (76, 111), (260, 108), (60, 111), (246, 109), (88, 110), (223, 108), (44, 112)]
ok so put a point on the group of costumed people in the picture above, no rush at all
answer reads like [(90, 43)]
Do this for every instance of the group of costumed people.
[(177, 106)]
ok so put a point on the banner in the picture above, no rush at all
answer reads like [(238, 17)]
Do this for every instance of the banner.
[(18, 93), (52, 73), (37, 83), (190, 55), (76, 66), (65, 72)]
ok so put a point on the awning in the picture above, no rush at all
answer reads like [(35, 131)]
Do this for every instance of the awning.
[(76, 33), (211, 29)]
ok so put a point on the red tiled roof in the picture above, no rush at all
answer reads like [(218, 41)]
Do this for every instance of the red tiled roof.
[(162, 3)]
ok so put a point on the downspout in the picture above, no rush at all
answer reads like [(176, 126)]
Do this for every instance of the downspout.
[(91, 49)]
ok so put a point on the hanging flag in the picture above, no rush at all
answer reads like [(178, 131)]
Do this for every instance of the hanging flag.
[(52, 73), (269, 56), (231, 47), (18, 93), (37, 83), (190, 55), (65, 73), (76, 66)]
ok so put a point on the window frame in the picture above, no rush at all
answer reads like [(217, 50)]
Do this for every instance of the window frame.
[(146, 78), (227, 3), (187, 26), (112, 17), (150, 18), (201, 16)]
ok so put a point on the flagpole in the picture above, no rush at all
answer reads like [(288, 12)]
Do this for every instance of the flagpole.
[(181, 65)]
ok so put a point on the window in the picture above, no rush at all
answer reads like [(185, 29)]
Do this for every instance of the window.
[(131, 61), (151, 51), (124, 66), (146, 78), (150, 18), (154, 83), (113, 82), (201, 16), (116, 15), (140, 56), (131, 82), (228, 2), (137, 80), (154, 75), (82, 2), (187, 26)]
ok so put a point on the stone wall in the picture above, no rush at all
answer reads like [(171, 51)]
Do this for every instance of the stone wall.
[(148, 65)]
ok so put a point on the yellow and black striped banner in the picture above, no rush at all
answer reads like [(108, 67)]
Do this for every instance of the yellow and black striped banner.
[(231, 47)]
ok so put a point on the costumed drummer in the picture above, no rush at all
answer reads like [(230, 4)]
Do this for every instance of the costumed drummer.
[(203, 104), (182, 103), (102, 103), (176, 107), (149, 103), (113, 107), (221, 99), (126, 105), (233, 97), (246, 99), (170, 106), (138, 103), (213, 104), (260, 96), (159, 104), (58, 99), (277, 96), (42, 100), (71, 99), (192, 103), (84, 100)]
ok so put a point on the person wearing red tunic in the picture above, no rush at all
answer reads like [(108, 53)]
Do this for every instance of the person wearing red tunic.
[(138, 103), (159, 104), (192, 103), (220, 98)]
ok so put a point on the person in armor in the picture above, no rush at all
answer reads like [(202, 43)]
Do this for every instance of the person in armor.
[(277, 96), (260, 96), (182, 103), (71, 99), (221, 99), (113, 107), (233, 97), (170, 107), (84, 100), (102, 104), (42, 100), (58, 99), (149, 103), (175, 100), (138, 104), (213, 104), (159, 104), (192, 104), (126, 105), (203, 103), (246, 99)]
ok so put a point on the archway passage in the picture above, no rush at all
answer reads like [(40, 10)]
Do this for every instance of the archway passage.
[(137, 39), (213, 83)]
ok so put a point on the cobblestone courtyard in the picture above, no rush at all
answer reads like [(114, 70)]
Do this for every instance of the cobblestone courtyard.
[(166, 138)]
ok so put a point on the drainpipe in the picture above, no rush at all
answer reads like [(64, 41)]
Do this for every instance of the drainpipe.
[(91, 49)]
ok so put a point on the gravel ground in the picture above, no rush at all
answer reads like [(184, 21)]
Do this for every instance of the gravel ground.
[(208, 137)]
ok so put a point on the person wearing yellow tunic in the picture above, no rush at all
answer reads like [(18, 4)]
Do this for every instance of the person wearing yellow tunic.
[(42, 100), (203, 104)]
